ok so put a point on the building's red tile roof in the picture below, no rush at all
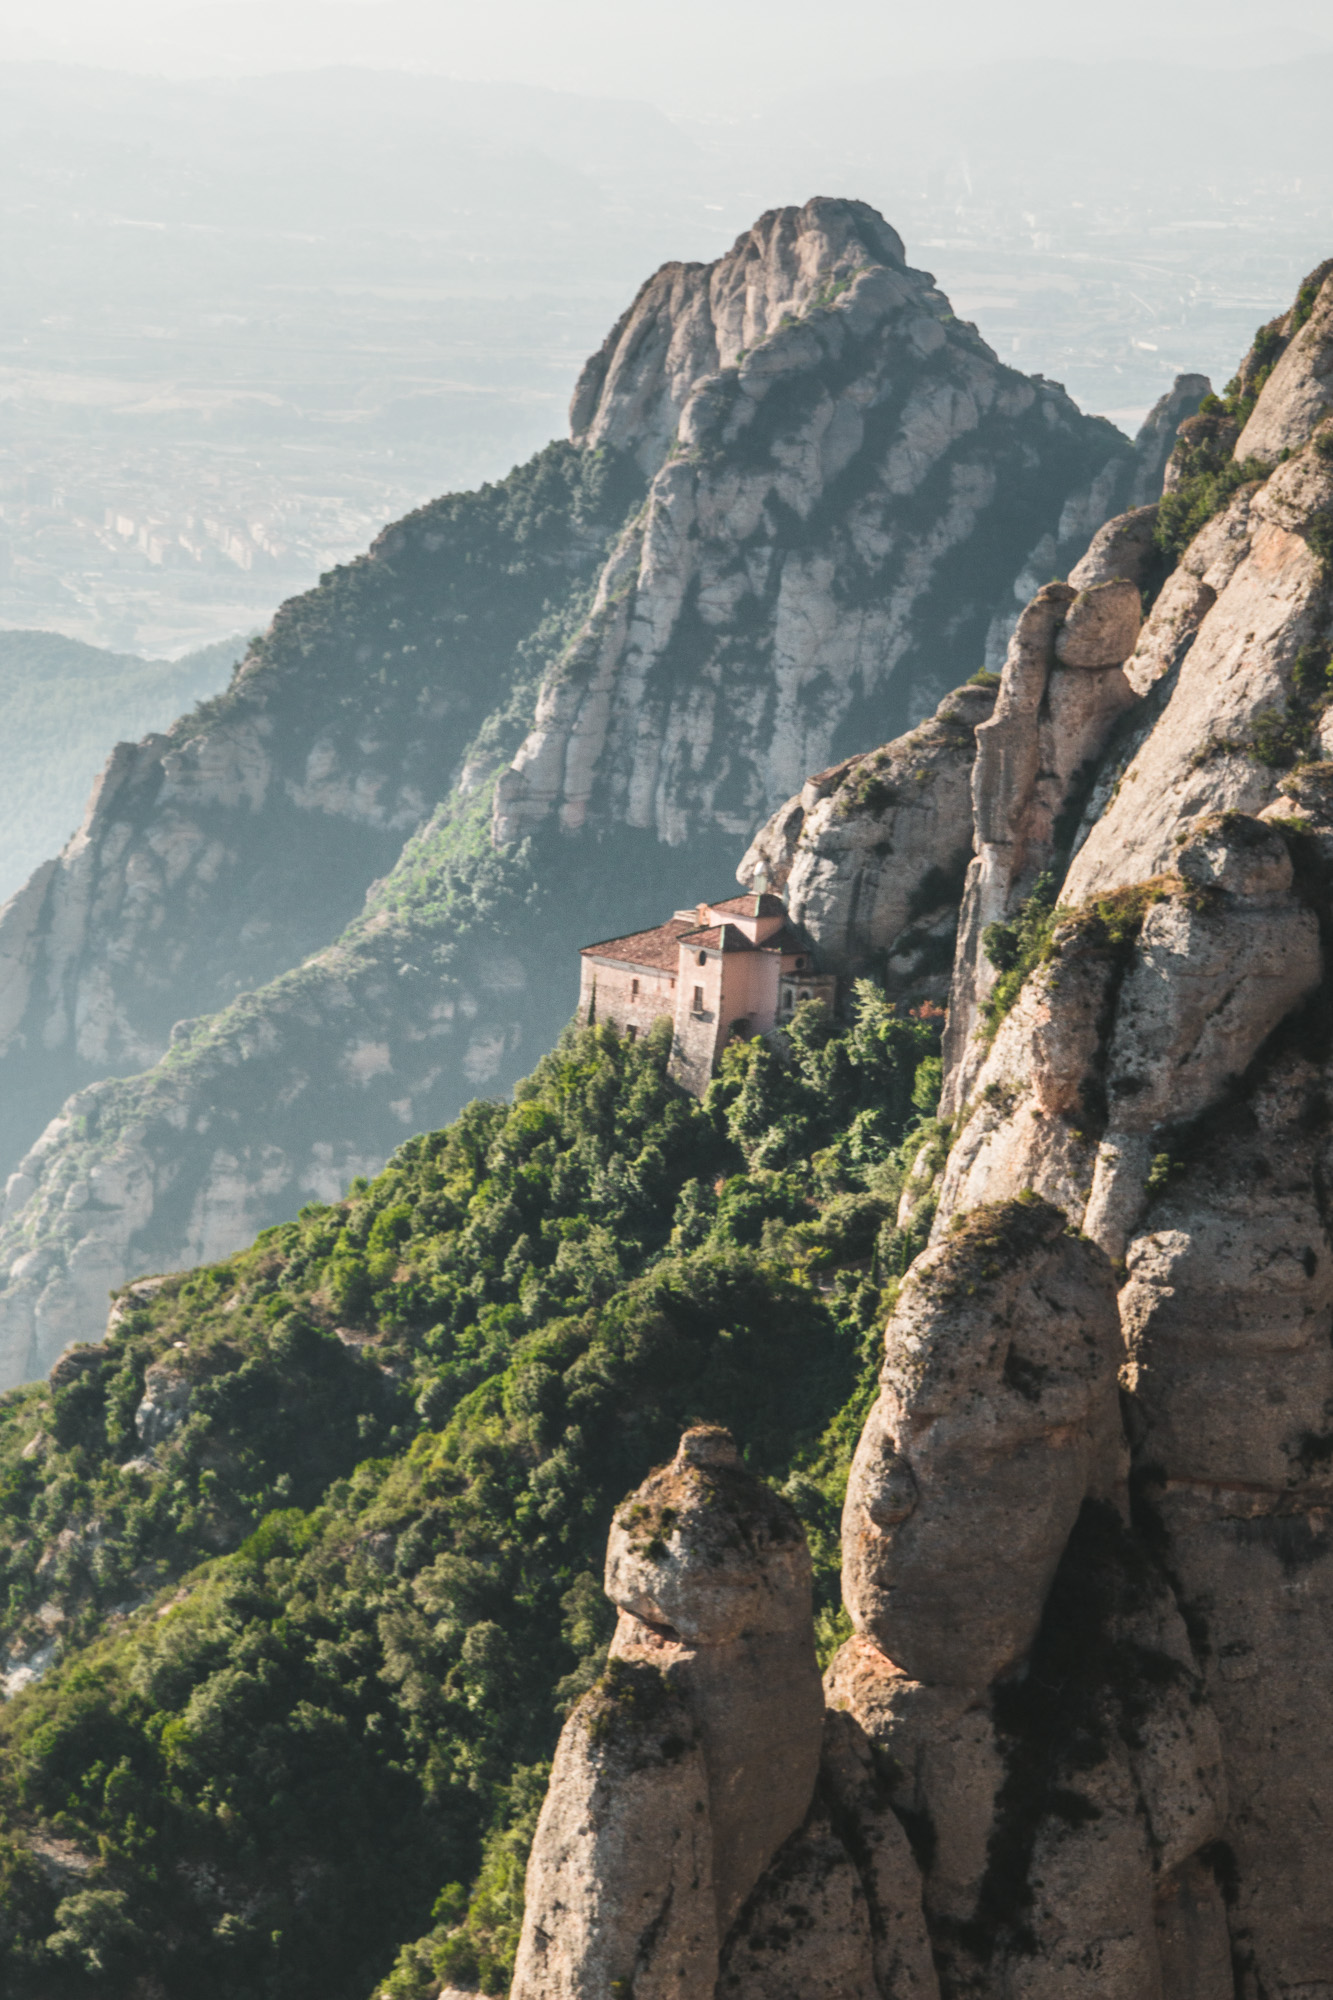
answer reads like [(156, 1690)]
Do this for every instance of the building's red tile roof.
[(656, 947), (719, 937), (660, 947), (751, 905)]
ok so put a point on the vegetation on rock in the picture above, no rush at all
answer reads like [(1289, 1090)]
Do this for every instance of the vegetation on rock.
[(318, 1532), (1210, 477)]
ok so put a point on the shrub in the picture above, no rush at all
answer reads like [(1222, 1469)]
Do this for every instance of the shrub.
[(378, 1558), (1017, 947), (1205, 490)]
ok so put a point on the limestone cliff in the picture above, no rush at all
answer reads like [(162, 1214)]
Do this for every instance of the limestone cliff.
[(871, 854), (288, 912), (1085, 1539), (846, 485)]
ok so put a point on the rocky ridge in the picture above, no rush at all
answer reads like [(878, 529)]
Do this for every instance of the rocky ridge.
[(796, 403), (1086, 1527), (306, 915)]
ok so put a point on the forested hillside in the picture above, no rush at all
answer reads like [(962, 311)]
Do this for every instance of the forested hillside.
[(310, 1549)]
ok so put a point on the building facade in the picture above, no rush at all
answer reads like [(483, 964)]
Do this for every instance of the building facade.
[(737, 967)]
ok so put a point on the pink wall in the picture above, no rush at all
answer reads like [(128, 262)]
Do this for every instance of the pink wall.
[(616, 999), (736, 986)]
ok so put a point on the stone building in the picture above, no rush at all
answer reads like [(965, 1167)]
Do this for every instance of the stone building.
[(738, 967)]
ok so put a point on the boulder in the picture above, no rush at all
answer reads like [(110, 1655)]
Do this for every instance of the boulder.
[(711, 1575), (872, 852), (619, 1886), (997, 1414), (1101, 626), (1123, 547), (691, 1764)]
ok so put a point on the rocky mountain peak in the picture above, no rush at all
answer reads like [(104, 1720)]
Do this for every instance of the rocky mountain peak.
[(689, 320), (851, 496), (282, 942)]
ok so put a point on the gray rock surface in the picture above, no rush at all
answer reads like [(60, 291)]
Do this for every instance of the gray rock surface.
[(680, 1777), (788, 576), (806, 1933), (1157, 1079), (1300, 389), (164, 1406), (996, 1417), (711, 1575), (690, 320), (1122, 547), (1051, 722), (1101, 626), (1156, 441), (871, 854), (1233, 684), (620, 1884)]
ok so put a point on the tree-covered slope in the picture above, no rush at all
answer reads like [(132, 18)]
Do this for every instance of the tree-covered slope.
[(216, 856), (309, 1550)]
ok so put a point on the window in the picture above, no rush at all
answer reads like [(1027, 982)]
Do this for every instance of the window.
[(800, 965), (698, 999), (703, 958), (634, 989), (632, 1033)]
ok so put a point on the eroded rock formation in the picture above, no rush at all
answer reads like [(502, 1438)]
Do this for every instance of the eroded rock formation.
[(794, 401), (871, 854), (1086, 1536), (686, 1820)]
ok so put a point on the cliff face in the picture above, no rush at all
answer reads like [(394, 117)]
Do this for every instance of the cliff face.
[(871, 854), (846, 485), (1085, 1548), (325, 911)]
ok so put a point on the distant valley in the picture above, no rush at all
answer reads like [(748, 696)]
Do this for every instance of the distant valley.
[(259, 317)]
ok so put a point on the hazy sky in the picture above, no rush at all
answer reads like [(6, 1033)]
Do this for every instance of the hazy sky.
[(710, 56)]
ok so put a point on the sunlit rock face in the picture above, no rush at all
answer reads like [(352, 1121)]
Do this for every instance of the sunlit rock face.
[(847, 485), (871, 854), (997, 1417), (1085, 1555), (709, 1826)]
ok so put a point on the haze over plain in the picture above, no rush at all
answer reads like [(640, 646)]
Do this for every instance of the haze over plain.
[(288, 271)]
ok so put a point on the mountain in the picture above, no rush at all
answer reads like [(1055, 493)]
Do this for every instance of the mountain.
[(1077, 1739), (798, 503), (61, 705), (952, 1412)]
